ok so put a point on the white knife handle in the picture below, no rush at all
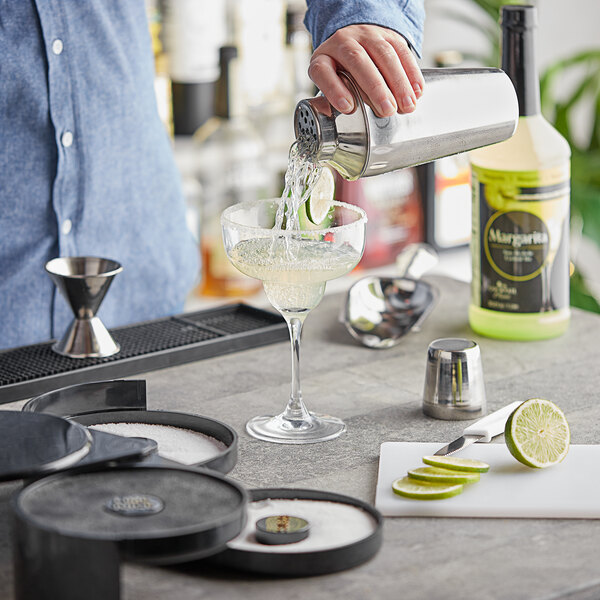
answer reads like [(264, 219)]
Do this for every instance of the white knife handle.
[(493, 424)]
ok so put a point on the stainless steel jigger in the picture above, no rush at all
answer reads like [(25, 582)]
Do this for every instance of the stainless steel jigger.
[(454, 388), (83, 281)]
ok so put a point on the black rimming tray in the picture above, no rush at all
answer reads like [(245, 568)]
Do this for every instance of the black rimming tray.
[(27, 371)]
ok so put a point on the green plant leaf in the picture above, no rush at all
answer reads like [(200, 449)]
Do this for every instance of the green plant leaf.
[(581, 296)]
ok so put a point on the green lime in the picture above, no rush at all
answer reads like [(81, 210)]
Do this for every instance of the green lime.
[(537, 433), (320, 201), (457, 464), (439, 475), (425, 490)]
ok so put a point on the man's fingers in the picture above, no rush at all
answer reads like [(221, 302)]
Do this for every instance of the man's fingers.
[(354, 58), (409, 63), (323, 71), (379, 60), (386, 59)]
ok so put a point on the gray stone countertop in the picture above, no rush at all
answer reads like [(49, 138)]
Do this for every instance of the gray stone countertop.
[(378, 394)]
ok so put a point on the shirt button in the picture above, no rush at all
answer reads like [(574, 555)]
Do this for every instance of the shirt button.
[(66, 139), (66, 226), (57, 46)]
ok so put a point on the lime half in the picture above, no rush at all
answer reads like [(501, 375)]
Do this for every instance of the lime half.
[(537, 433), (425, 490), (320, 201), (438, 475), (457, 464)]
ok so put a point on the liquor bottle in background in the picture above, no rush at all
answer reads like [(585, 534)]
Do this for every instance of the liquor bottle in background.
[(162, 80), (229, 159), (193, 32), (298, 50), (521, 197), (257, 29), (273, 118), (446, 188), (392, 202)]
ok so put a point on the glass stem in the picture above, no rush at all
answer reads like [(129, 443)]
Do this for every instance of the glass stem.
[(295, 410)]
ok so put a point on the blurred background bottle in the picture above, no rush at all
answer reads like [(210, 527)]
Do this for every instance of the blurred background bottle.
[(229, 165), (446, 188), (162, 79), (393, 205), (193, 32)]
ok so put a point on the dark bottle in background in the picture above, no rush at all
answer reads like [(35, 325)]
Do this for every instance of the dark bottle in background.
[(193, 32)]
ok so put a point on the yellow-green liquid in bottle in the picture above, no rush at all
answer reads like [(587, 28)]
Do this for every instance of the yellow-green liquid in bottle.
[(521, 197)]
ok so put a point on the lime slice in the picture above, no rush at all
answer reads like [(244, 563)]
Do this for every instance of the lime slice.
[(425, 490), (438, 475), (537, 433), (320, 201), (457, 464)]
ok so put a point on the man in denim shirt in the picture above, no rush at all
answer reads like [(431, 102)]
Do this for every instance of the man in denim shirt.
[(86, 167)]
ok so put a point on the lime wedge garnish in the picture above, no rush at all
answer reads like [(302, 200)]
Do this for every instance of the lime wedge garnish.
[(320, 200), (425, 490), (537, 433), (457, 464), (439, 475)]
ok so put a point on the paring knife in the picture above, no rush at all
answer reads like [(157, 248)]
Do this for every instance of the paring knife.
[(481, 431)]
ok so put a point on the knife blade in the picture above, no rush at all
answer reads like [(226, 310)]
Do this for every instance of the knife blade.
[(481, 431)]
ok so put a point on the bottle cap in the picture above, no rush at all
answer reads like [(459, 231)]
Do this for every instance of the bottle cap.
[(518, 17)]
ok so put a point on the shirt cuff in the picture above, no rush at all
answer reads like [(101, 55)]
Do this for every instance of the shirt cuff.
[(406, 17)]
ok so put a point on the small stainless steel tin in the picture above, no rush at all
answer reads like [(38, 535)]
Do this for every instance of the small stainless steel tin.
[(454, 387)]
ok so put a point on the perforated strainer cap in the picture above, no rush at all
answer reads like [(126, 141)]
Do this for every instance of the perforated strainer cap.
[(315, 128), (326, 135)]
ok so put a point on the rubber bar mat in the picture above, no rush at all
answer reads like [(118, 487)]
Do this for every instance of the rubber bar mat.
[(27, 371)]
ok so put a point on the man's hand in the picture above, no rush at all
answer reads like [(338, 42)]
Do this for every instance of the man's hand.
[(380, 61)]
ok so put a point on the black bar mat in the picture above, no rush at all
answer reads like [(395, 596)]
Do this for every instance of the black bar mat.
[(27, 371)]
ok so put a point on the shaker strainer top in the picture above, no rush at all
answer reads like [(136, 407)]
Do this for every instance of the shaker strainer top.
[(307, 129)]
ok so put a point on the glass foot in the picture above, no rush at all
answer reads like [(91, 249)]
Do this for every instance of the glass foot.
[(317, 428)]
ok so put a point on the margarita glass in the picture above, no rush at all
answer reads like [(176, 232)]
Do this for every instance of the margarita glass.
[(294, 266)]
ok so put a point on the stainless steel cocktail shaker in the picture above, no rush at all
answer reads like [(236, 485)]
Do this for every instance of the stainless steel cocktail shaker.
[(460, 109)]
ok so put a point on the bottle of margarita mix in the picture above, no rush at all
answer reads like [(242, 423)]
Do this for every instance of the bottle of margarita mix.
[(521, 196)]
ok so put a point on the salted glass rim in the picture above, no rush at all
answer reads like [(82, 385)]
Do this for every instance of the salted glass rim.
[(226, 221)]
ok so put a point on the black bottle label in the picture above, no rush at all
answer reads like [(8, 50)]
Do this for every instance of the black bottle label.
[(520, 240)]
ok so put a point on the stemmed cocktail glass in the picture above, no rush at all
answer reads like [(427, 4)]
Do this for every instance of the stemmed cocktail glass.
[(294, 266)]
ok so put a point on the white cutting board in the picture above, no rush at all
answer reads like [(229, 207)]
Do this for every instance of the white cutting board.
[(570, 489)]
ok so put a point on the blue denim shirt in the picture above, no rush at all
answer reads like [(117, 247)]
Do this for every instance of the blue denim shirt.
[(407, 17), (86, 166)]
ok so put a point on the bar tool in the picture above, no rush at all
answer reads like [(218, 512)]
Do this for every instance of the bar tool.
[(152, 514), (461, 109), (481, 431), (124, 401), (83, 282), (32, 445), (380, 311), (307, 558), (31, 370), (454, 387)]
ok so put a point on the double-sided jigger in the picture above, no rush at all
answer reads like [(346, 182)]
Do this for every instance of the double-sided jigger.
[(83, 281), (454, 387)]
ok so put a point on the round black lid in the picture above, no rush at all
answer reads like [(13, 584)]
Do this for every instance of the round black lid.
[(32, 444), (155, 514)]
